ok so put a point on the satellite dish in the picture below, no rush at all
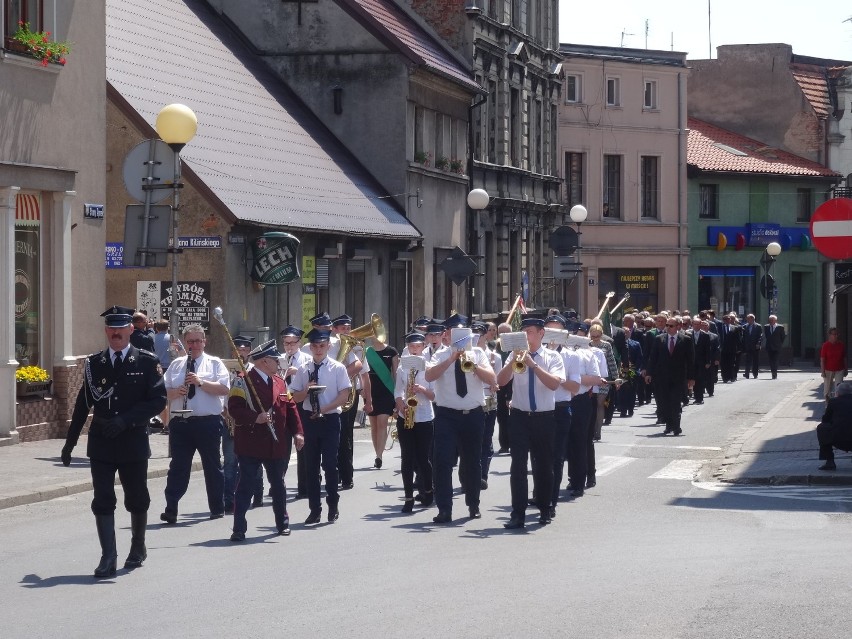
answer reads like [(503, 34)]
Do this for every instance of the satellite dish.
[(149, 162)]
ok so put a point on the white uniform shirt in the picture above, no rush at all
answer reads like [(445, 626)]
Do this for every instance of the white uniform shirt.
[(424, 411), (545, 399), (207, 368), (332, 375), (572, 363), (445, 385), (588, 366)]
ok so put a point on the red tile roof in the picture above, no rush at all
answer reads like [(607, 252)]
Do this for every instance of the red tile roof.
[(812, 79), (400, 31), (711, 148)]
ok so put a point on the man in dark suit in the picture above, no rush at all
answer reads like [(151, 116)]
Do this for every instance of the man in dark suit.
[(140, 337), (730, 337), (125, 387), (701, 366), (752, 341), (713, 370), (671, 367), (835, 430), (774, 335)]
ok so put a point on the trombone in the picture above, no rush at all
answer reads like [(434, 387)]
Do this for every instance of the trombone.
[(356, 337)]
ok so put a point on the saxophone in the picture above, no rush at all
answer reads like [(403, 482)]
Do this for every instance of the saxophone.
[(410, 399)]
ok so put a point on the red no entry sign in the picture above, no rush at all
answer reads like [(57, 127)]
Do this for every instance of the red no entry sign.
[(831, 228)]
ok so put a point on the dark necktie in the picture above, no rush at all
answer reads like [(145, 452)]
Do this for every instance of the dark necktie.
[(461, 380), (116, 363), (190, 368), (671, 345), (532, 384), (315, 375)]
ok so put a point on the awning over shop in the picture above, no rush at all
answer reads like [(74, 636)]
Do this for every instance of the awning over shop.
[(27, 211)]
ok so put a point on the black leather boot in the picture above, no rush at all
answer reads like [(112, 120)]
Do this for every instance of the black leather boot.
[(138, 552), (106, 535)]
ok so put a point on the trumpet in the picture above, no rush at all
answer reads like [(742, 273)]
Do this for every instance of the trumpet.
[(411, 401), (518, 365), (467, 363)]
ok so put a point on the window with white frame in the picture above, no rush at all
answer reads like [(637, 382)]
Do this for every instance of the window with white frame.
[(573, 89), (650, 100), (613, 91)]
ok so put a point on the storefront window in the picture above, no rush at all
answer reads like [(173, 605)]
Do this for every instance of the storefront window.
[(642, 284), (726, 289), (28, 279)]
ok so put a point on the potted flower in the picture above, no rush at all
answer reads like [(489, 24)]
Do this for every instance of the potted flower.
[(457, 166), (32, 380), (38, 45), (422, 157), (442, 163)]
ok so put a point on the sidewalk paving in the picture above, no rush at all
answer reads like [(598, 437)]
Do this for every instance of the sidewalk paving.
[(781, 447), (33, 472)]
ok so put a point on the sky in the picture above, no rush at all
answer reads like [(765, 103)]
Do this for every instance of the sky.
[(813, 27)]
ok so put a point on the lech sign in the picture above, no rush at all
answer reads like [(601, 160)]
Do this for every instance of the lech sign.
[(831, 228), (275, 258)]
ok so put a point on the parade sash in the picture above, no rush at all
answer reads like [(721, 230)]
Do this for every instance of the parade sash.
[(378, 366)]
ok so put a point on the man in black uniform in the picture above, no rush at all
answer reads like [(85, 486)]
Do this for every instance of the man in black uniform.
[(125, 387), (140, 337)]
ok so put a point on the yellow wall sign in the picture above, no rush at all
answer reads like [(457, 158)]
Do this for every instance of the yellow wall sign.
[(309, 290)]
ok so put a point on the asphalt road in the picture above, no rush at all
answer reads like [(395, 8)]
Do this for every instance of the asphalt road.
[(650, 552)]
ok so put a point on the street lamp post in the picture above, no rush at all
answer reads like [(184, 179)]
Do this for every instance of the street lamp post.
[(176, 125), (477, 200), (767, 282), (578, 215)]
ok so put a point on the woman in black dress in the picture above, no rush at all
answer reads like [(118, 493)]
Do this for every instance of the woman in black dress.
[(381, 396)]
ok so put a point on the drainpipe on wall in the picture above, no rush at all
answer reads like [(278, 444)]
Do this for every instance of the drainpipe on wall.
[(681, 171)]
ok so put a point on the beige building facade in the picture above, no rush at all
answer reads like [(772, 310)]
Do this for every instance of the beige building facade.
[(622, 145), (52, 156)]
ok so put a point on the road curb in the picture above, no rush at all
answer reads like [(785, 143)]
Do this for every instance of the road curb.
[(24, 499), (717, 469), (790, 480)]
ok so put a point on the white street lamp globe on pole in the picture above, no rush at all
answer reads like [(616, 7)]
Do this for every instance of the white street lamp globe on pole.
[(176, 125)]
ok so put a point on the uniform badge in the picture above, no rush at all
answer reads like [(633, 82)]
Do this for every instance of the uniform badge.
[(159, 369), (103, 381)]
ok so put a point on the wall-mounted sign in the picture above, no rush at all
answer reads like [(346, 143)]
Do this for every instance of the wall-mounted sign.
[(114, 255), (93, 211), (193, 301), (842, 274), (200, 242), (275, 258), (762, 234), (236, 238)]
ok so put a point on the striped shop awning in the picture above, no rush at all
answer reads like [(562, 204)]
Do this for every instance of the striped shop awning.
[(27, 211)]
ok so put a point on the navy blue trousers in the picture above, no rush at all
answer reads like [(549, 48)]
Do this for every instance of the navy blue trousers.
[(186, 436), (456, 431), (249, 468), (322, 443)]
